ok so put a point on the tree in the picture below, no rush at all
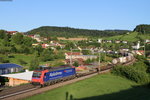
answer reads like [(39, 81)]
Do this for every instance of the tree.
[(76, 64), (46, 55), (27, 41), (34, 64), (39, 49), (17, 38), (2, 34), (69, 45), (143, 28), (85, 52)]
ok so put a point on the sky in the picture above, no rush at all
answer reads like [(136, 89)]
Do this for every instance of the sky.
[(24, 15)]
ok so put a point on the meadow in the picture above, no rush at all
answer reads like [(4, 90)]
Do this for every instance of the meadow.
[(100, 87)]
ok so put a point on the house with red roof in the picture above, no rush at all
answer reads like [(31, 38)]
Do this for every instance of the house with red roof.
[(11, 32)]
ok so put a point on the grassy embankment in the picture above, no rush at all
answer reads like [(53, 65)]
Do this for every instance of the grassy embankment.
[(100, 87)]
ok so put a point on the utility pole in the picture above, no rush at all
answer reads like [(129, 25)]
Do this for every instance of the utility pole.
[(99, 62), (71, 57), (144, 49)]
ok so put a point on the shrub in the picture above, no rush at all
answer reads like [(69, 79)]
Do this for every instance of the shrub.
[(132, 74)]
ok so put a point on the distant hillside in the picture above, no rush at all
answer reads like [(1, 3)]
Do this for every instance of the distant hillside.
[(72, 32), (143, 29), (132, 36)]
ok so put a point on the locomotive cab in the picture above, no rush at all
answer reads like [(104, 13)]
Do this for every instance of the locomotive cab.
[(37, 77)]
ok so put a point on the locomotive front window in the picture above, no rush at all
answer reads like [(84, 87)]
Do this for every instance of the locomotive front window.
[(37, 74)]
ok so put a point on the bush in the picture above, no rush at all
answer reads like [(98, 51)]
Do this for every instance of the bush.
[(132, 74), (34, 64)]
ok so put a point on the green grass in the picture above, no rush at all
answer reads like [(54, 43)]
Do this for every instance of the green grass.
[(100, 87)]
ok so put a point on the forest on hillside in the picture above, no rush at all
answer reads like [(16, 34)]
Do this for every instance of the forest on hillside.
[(143, 29), (47, 31)]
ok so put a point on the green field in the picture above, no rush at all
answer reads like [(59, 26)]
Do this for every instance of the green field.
[(100, 87)]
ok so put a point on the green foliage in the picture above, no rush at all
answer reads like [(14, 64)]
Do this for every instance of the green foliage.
[(3, 59), (47, 55), (17, 38), (69, 45), (76, 64), (22, 62), (72, 32), (134, 73), (141, 65), (88, 61), (2, 34), (144, 29), (39, 49), (34, 64), (59, 56), (131, 37), (85, 52)]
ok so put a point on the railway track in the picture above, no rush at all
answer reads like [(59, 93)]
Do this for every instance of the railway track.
[(30, 90), (16, 90)]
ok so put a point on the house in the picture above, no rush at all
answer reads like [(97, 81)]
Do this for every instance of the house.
[(31, 36), (136, 47), (124, 49), (19, 78), (45, 45), (70, 54), (9, 68), (36, 37), (124, 42), (11, 32), (108, 41), (117, 41), (79, 60), (138, 52), (99, 40), (147, 41), (35, 44)]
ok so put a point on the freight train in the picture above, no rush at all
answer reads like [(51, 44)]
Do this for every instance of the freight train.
[(51, 75), (122, 60)]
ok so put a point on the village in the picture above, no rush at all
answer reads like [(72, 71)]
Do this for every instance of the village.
[(77, 55)]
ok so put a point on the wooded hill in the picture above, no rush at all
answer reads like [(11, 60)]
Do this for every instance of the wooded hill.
[(47, 31), (143, 29)]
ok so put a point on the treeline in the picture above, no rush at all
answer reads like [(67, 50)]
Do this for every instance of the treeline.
[(47, 31), (144, 29)]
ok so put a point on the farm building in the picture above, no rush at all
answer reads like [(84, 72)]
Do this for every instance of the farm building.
[(19, 78), (9, 68)]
